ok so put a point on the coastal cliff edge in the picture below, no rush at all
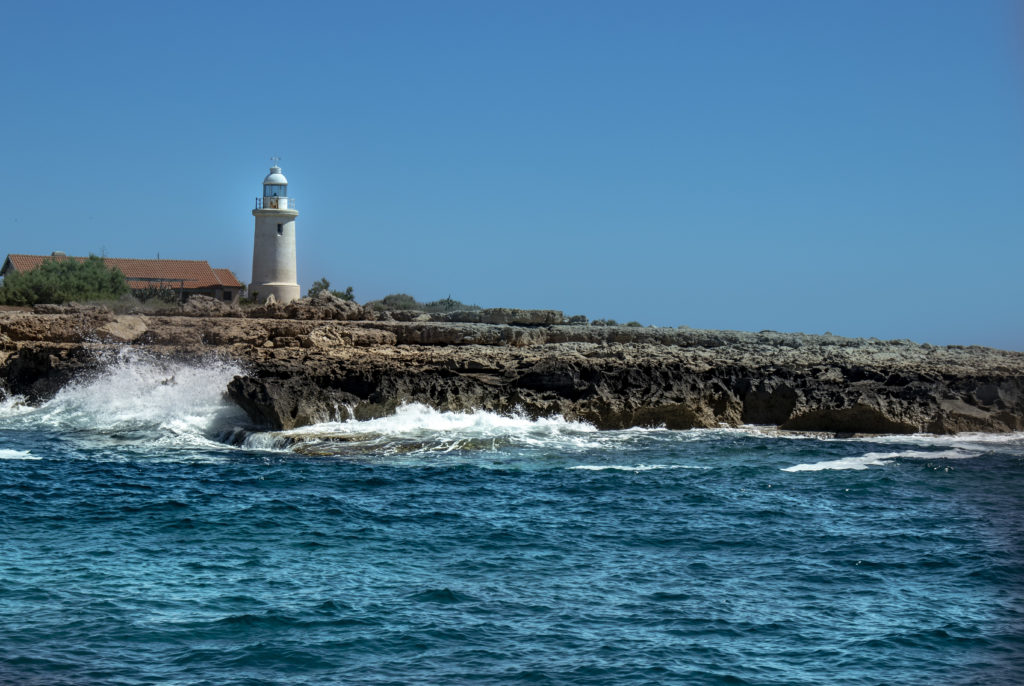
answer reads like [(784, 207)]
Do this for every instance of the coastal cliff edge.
[(322, 359)]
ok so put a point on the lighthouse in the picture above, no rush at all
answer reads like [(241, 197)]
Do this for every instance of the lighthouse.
[(273, 249)]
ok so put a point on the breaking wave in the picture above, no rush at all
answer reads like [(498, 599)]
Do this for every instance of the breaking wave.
[(138, 398), (879, 459), (916, 447), (416, 429), (17, 455), (136, 402)]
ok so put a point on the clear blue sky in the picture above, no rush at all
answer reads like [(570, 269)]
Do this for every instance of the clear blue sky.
[(855, 167)]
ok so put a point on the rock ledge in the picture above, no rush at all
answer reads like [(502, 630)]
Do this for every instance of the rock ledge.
[(321, 357)]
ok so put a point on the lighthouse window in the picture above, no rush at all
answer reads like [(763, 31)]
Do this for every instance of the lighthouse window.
[(280, 229), (275, 190)]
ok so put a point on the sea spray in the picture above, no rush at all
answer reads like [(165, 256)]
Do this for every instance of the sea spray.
[(136, 398), (418, 429), (137, 395), (420, 435)]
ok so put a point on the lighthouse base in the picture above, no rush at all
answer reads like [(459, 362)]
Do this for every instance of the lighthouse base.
[(283, 293)]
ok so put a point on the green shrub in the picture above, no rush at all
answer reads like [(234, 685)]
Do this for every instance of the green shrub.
[(60, 281), (447, 305), (404, 301), (321, 285), (157, 293), (633, 324), (400, 301)]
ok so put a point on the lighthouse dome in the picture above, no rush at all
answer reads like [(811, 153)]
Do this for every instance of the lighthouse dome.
[(275, 177)]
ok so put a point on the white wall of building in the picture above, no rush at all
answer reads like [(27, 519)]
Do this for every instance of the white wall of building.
[(273, 256)]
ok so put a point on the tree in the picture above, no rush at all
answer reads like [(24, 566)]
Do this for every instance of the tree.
[(319, 286), (59, 281), (322, 284)]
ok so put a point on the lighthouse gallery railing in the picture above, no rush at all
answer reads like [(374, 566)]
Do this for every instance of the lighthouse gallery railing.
[(275, 203)]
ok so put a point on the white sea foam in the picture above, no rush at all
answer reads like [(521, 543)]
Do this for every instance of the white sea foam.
[(11, 405), (916, 446), (17, 455), (136, 399), (415, 433), (416, 428), (634, 468), (415, 420), (414, 417), (964, 441), (879, 459), (161, 401)]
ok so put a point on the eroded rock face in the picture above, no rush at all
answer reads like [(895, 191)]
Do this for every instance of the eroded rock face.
[(123, 329), (323, 305), (494, 315), (38, 370), (618, 386), (335, 335), (504, 315), (205, 306), (68, 325), (321, 364)]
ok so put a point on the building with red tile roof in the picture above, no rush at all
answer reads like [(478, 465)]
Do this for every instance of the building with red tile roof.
[(187, 277)]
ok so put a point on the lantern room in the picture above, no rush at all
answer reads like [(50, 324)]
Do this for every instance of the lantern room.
[(275, 192)]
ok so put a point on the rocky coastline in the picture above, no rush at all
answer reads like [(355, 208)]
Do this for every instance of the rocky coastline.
[(324, 358)]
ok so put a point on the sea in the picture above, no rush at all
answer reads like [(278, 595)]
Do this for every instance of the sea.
[(149, 535)]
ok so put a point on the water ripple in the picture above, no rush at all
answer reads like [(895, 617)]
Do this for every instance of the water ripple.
[(433, 548)]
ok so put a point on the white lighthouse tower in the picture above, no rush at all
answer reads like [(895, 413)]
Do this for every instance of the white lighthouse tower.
[(273, 250)]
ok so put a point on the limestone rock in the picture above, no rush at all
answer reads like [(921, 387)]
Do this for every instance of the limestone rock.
[(124, 329), (268, 310), (72, 308), (69, 326), (205, 306), (305, 368), (498, 315), (336, 335), (322, 306), (406, 315), (38, 370), (501, 315), (706, 380)]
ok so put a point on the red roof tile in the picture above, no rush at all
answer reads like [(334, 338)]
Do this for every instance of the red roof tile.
[(145, 273), (227, 278)]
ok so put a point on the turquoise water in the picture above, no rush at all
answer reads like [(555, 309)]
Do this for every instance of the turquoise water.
[(148, 539)]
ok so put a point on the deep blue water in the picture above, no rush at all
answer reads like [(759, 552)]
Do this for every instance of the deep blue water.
[(140, 546)]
